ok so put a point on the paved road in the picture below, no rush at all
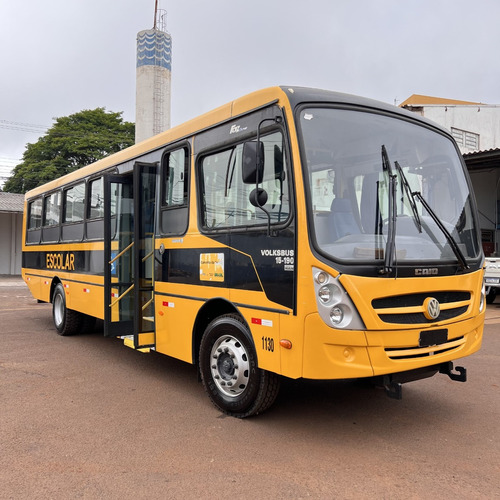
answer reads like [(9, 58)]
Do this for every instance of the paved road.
[(86, 417)]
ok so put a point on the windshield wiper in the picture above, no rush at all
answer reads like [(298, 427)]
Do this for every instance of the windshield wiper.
[(453, 244), (391, 228)]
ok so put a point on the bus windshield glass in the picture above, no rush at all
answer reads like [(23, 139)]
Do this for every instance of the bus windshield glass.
[(385, 190)]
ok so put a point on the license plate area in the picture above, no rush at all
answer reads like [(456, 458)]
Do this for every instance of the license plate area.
[(433, 337), (492, 280)]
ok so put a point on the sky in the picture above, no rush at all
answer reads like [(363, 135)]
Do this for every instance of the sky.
[(59, 57)]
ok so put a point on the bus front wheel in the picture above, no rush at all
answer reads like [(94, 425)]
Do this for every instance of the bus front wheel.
[(229, 371), (66, 321)]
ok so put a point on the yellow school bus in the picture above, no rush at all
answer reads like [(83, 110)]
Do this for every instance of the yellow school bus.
[(293, 232)]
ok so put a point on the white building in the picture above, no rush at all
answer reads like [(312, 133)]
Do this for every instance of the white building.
[(475, 126), (11, 224)]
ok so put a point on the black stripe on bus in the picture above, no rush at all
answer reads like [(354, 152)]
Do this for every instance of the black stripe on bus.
[(44, 276), (238, 304)]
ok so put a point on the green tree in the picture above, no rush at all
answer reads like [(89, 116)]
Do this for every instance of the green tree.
[(71, 143)]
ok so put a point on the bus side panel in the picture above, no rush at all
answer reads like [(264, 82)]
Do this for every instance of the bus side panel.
[(33, 283), (291, 358), (177, 308), (85, 298), (174, 323), (265, 330)]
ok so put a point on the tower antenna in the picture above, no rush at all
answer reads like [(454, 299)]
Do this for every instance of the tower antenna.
[(156, 13)]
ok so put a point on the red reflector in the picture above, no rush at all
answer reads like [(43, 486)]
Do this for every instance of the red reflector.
[(262, 322)]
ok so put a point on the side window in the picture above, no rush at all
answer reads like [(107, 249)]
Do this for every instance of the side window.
[(35, 214), (51, 205), (73, 203), (175, 178), (174, 196), (226, 196), (96, 199)]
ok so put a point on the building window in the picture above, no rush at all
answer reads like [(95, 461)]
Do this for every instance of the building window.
[(465, 139)]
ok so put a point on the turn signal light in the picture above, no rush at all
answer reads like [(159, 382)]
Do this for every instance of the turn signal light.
[(285, 343)]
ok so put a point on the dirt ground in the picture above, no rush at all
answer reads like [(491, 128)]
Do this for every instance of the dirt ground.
[(86, 417)]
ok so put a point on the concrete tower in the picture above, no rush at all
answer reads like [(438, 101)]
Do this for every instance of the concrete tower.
[(154, 58)]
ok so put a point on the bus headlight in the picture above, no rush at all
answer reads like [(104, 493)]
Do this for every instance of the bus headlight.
[(330, 293), (334, 304), (324, 294), (482, 299), (336, 315)]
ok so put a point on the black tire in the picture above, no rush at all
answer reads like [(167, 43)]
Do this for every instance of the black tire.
[(491, 295), (229, 371), (66, 321)]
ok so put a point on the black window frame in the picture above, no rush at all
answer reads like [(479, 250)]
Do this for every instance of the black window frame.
[(44, 209), (177, 215), (30, 205), (88, 205), (228, 146), (65, 202)]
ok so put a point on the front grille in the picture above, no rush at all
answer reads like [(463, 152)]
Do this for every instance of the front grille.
[(415, 318), (398, 353), (409, 309)]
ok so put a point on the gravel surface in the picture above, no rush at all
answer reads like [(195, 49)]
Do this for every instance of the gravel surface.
[(87, 417)]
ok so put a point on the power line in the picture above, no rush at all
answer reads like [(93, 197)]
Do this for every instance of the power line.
[(24, 127)]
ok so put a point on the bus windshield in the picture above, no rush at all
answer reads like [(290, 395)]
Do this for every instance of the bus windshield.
[(385, 190)]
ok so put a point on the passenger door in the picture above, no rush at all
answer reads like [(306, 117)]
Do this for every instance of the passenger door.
[(129, 255)]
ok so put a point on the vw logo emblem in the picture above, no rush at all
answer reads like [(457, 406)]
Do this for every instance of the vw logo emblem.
[(431, 308)]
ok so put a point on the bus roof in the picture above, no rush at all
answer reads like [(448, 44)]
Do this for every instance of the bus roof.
[(294, 95), (218, 115)]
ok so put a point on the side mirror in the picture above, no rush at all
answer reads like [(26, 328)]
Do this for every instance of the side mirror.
[(258, 197), (253, 163)]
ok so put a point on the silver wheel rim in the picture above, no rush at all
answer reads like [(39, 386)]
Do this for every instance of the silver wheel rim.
[(58, 309), (230, 366)]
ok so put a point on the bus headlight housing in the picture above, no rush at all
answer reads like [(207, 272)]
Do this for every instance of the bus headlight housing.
[(334, 304), (482, 299)]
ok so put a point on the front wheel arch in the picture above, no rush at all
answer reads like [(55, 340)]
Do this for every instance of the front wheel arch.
[(211, 310)]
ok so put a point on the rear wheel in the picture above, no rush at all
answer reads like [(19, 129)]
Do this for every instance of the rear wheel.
[(229, 371), (66, 321)]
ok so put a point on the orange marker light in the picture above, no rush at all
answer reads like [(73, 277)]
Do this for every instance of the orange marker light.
[(285, 343)]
